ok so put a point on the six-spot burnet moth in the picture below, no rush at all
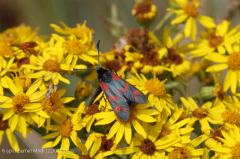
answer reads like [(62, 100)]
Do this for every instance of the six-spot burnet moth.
[(119, 93)]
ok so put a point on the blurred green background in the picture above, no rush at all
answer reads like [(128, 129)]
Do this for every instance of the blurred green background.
[(41, 13)]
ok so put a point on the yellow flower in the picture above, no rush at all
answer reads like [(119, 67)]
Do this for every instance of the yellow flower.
[(189, 12), (201, 114), (81, 31), (231, 144), (218, 89), (188, 151), (214, 141), (100, 145), (154, 88), (144, 11), (91, 112), (4, 128), (66, 129), (83, 89), (23, 107), (149, 146), (232, 62), (77, 49), (139, 112), (217, 40), (169, 125), (172, 57), (53, 106), (20, 34), (5, 52)]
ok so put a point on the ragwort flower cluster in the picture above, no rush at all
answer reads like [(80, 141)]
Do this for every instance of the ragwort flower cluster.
[(172, 124)]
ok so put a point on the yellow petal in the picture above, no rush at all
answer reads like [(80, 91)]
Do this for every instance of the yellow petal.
[(216, 57), (8, 114), (37, 74), (12, 140), (119, 133), (113, 130), (95, 147), (23, 125), (217, 67), (65, 144), (50, 136), (14, 122), (188, 27), (34, 87), (139, 129), (206, 21), (37, 95), (179, 19), (128, 132), (63, 79), (126, 150), (106, 120)]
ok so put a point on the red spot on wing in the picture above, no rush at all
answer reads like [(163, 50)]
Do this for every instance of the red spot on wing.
[(110, 98), (115, 77), (119, 91), (136, 92), (118, 108), (115, 97), (104, 86), (127, 84), (124, 109), (136, 98), (125, 88)]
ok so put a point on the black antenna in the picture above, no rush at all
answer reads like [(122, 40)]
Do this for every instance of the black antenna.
[(98, 48)]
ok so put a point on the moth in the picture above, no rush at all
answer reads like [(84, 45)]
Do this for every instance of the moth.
[(119, 93)]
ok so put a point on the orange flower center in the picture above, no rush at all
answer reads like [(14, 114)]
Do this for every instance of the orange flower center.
[(85, 157), (156, 87), (51, 65), (3, 124), (180, 153), (234, 61), (75, 46), (236, 151), (165, 131), (231, 117), (52, 104), (144, 11), (66, 128), (200, 113), (106, 144), (191, 10), (147, 147), (93, 109), (214, 40), (217, 133), (19, 101), (172, 57)]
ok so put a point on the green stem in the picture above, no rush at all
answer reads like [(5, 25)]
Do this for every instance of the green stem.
[(163, 21)]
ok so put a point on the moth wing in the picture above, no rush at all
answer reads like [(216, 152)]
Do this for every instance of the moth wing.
[(117, 101), (129, 91)]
